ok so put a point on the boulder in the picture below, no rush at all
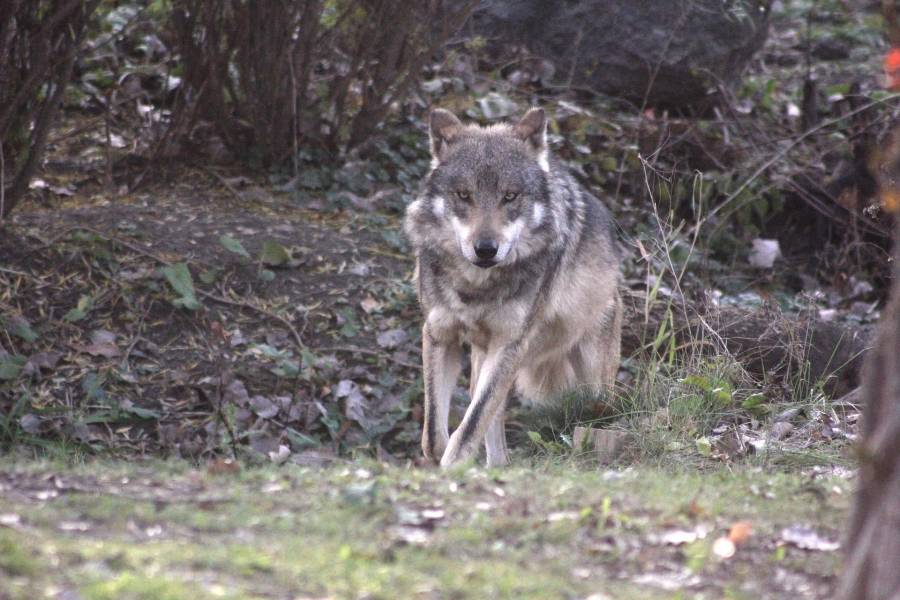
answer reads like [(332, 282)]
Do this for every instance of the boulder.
[(671, 51)]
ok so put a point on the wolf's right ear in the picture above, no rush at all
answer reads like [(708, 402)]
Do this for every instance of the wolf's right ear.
[(443, 129)]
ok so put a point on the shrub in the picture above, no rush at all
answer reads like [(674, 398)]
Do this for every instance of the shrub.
[(271, 76), (38, 44)]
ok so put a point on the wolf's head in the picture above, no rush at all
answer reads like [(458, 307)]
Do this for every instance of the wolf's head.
[(487, 196)]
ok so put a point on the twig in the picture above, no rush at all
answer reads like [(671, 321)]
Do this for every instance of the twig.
[(2, 184), (781, 153), (88, 489), (110, 182), (52, 241), (224, 182), (204, 293), (14, 272), (258, 309), (128, 245), (370, 353), (136, 338)]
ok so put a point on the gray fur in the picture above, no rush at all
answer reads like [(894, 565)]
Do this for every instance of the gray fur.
[(544, 315)]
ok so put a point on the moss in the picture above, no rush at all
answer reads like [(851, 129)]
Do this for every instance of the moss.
[(16, 556), (129, 586)]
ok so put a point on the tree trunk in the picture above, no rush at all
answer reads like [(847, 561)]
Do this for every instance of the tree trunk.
[(872, 568)]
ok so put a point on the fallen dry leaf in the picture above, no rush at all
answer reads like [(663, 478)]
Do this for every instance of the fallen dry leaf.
[(11, 520), (370, 304), (806, 538), (280, 455), (678, 537), (42, 361), (392, 338), (764, 253), (740, 532), (103, 343), (223, 466), (263, 407)]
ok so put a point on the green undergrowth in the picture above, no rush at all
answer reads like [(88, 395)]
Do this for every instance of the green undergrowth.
[(540, 529), (674, 413)]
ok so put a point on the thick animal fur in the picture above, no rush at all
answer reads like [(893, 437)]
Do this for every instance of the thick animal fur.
[(543, 315)]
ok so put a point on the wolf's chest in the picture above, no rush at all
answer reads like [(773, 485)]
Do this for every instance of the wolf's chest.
[(488, 322)]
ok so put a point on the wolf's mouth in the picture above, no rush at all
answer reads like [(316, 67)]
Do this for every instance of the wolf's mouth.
[(485, 264)]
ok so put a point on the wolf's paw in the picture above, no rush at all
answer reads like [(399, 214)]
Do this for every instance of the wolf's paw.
[(456, 452), (500, 459), (434, 450)]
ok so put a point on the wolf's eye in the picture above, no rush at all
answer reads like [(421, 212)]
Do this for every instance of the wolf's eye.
[(463, 195), (510, 196)]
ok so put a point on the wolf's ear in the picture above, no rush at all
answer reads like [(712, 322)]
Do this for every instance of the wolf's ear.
[(443, 128), (533, 129)]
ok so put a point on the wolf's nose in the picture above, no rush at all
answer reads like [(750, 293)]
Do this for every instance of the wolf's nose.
[(486, 248)]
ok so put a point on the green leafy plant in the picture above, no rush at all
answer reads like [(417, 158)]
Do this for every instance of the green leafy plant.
[(234, 246), (179, 277), (81, 310)]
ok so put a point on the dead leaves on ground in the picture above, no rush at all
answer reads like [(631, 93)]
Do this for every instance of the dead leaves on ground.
[(113, 348)]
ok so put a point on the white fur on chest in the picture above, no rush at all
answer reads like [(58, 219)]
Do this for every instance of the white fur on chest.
[(481, 324)]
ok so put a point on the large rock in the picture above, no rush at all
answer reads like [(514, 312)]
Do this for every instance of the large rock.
[(679, 49)]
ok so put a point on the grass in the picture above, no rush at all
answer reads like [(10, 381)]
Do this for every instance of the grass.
[(542, 529)]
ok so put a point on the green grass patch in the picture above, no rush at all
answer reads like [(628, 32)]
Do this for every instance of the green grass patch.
[(542, 529)]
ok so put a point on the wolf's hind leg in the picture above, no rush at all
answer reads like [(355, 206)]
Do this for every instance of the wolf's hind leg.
[(442, 364), (495, 441), (596, 357)]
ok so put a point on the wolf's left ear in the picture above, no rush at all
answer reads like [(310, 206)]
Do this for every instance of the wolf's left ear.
[(533, 129), (442, 129)]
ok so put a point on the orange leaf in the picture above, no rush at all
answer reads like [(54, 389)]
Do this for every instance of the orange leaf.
[(890, 198), (740, 531), (892, 60), (223, 466), (891, 68)]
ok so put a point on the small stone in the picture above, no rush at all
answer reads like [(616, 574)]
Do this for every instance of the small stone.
[(788, 415), (724, 548), (604, 444), (831, 49), (781, 430)]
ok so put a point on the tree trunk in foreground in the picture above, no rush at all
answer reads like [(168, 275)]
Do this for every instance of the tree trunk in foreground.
[(872, 567)]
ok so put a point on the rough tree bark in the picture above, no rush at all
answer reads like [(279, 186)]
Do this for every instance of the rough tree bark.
[(872, 567)]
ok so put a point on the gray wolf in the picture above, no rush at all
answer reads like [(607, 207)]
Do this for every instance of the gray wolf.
[(520, 263)]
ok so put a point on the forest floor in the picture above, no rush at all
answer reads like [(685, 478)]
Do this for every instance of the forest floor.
[(298, 373), (362, 529)]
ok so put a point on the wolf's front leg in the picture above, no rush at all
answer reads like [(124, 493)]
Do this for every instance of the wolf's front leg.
[(442, 363), (495, 378)]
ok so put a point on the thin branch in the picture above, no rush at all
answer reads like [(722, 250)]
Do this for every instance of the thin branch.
[(354, 349), (210, 295)]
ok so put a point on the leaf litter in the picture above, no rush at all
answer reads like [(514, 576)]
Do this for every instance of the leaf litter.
[(160, 355)]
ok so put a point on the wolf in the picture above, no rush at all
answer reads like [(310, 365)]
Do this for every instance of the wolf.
[(517, 261)]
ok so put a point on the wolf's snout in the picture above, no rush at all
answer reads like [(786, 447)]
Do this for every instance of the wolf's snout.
[(486, 249)]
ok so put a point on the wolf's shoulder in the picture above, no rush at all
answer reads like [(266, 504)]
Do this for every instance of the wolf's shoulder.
[(598, 221)]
